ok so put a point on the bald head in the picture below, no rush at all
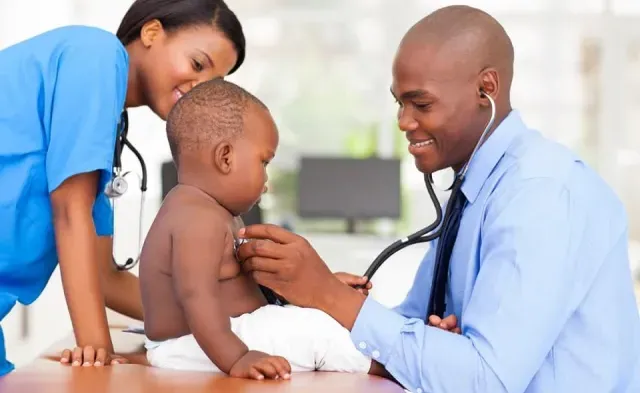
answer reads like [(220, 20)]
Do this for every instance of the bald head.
[(446, 66), (466, 41), (212, 111)]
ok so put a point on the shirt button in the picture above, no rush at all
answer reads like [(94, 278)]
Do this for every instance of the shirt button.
[(418, 390), (362, 345), (375, 354)]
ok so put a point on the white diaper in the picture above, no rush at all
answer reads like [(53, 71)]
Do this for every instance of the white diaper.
[(308, 338)]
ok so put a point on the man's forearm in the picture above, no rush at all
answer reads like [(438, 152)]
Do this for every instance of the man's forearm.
[(342, 302)]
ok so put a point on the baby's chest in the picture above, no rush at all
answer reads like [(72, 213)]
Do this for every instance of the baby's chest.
[(229, 266)]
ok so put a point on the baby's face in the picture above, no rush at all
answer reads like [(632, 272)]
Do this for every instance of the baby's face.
[(253, 152)]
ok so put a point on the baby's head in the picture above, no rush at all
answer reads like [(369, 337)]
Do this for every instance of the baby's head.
[(221, 139)]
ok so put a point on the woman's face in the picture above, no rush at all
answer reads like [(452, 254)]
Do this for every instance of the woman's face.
[(172, 63)]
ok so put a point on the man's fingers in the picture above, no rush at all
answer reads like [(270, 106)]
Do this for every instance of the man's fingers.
[(265, 279), (434, 320), (450, 322), (268, 232), (260, 248), (457, 330), (260, 264)]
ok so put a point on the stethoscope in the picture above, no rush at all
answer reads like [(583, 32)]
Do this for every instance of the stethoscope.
[(119, 185), (428, 234)]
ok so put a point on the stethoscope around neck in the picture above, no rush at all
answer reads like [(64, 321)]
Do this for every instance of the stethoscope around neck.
[(434, 230), (118, 185)]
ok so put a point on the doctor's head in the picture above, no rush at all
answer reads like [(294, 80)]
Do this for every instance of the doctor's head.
[(222, 138), (442, 65), (175, 45)]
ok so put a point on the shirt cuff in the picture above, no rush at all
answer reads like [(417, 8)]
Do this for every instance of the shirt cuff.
[(376, 330)]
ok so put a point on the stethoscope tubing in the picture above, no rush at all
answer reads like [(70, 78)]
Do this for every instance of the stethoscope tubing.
[(434, 230)]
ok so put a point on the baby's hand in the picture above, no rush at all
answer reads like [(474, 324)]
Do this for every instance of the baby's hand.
[(258, 365), (355, 281), (449, 323)]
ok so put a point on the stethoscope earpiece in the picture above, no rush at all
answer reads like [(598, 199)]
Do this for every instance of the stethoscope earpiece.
[(433, 230)]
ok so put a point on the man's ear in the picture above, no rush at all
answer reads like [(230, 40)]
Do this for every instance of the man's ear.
[(150, 32), (223, 157), (488, 83)]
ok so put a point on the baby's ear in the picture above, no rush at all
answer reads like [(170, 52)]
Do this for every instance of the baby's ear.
[(223, 156)]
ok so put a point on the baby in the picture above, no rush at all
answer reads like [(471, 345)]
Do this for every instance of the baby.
[(201, 311)]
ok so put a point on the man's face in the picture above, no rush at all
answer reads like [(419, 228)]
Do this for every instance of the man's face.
[(438, 105)]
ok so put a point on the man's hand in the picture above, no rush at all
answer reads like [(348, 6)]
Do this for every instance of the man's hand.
[(288, 264), (356, 282), (258, 365), (88, 356), (449, 323)]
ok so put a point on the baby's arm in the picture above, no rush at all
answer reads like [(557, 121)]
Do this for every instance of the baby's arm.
[(197, 250)]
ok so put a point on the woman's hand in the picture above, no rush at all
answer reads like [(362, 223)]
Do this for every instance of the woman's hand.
[(288, 264), (88, 356)]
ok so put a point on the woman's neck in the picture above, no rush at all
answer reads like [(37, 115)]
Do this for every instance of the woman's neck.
[(134, 96)]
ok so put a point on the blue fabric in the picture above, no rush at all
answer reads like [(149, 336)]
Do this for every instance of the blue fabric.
[(539, 280), (61, 96)]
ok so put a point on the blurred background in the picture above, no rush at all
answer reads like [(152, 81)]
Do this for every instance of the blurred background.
[(324, 69)]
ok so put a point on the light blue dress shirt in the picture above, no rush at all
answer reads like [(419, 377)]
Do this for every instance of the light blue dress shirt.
[(61, 96), (539, 280)]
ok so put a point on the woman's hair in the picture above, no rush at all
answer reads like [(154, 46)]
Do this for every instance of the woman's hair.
[(177, 14)]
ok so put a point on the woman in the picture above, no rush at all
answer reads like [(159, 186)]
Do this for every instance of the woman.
[(62, 96)]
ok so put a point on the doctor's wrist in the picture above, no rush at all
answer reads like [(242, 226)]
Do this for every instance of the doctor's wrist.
[(342, 302)]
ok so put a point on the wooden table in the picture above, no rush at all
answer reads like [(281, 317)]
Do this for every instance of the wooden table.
[(47, 375)]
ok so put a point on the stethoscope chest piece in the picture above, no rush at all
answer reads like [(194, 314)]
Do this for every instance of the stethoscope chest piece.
[(117, 187)]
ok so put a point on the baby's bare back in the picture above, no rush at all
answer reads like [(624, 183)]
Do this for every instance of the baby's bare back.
[(164, 316)]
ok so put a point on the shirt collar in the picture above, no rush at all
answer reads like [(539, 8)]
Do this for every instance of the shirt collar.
[(489, 153)]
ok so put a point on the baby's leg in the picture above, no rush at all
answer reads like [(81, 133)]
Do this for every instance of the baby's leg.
[(332, 345), (270, 329), (181, 353)]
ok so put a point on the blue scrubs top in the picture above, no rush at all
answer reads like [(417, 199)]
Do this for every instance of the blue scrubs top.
[(61, 97)]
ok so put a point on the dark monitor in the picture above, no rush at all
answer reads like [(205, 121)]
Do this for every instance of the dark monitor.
[(349, 188), (169, 177)]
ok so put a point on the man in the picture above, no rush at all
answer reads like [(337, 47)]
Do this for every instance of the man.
[(539, 276)]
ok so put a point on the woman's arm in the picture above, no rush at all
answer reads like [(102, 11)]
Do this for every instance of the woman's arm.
[(77, 246), (121, 288)]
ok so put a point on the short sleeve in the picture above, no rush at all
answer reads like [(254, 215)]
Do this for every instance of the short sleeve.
[(88, 99), (103, 215)]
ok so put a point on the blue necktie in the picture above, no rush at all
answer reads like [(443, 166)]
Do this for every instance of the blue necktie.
[(443, 253)]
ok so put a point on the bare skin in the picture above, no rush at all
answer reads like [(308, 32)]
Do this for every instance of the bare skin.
[(190, 278), (163, 66), (445, 66)]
